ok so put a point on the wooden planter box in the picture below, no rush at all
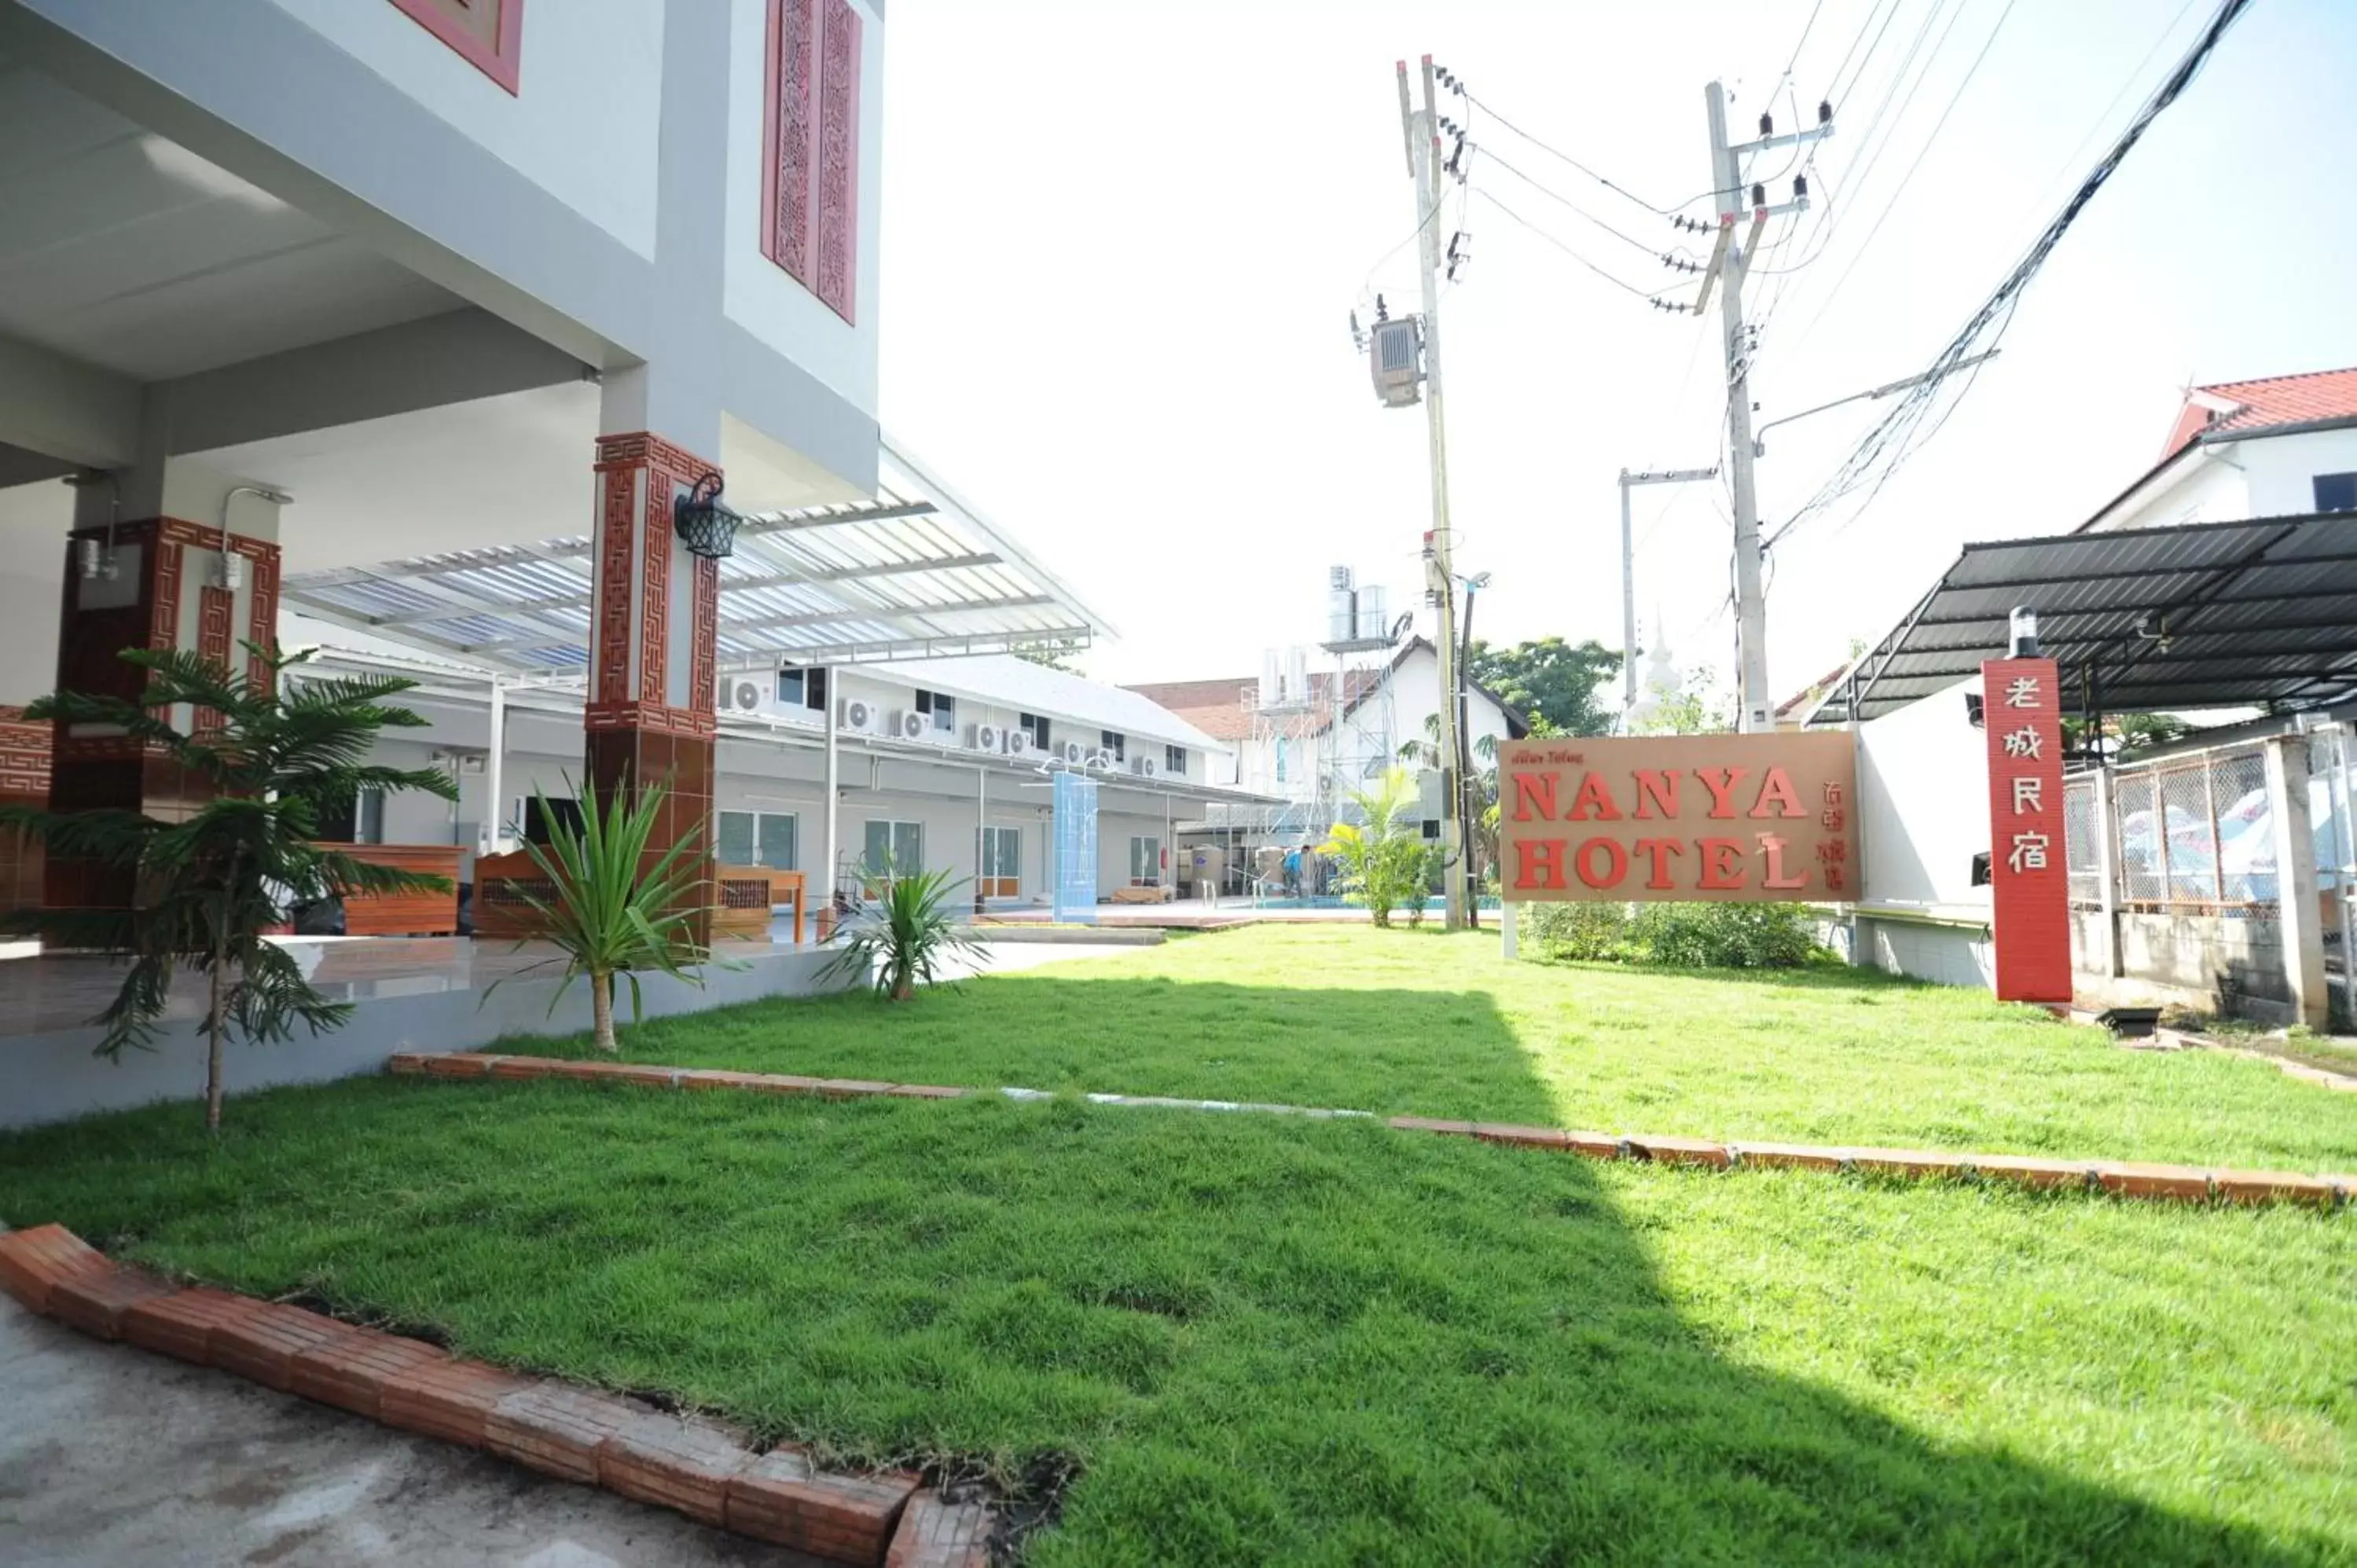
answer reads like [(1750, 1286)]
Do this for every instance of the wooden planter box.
[(745, 895), (405, 914)]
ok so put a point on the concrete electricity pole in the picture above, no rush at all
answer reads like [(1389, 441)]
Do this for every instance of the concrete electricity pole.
[(1728, 262), (1629, 573), (1421, 130)]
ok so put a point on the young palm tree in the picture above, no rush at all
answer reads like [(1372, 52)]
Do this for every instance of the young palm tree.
[(609, 913), (905, 934), (206, 888), (1383, 856)]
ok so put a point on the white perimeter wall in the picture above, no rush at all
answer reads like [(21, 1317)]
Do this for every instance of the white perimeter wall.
[(586, 126), (758, 294), (1922, 784)]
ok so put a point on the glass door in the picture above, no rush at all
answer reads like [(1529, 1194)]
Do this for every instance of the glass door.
[(1002, 864)]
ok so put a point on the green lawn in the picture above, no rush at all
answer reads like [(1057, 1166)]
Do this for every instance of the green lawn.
[(1271, 1340), (1416, 1022)]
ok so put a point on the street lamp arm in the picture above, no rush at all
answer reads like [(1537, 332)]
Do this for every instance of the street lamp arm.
[(1758, 437)]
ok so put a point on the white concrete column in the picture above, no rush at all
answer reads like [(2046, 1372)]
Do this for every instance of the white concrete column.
[(2298, 909)]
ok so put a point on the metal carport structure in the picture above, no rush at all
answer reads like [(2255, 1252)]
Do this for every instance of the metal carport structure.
[(2256, 613), (912, 574)]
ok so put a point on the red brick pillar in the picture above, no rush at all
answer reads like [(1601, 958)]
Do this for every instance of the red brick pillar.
[(654, 630), (158, 587)]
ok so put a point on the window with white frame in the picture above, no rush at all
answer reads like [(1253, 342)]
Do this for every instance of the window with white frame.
[(899, 847), (1116, 743), (1174, 760), (1036, 726), (1146, 862), (1001, 862), (757, 838), (943, 707)]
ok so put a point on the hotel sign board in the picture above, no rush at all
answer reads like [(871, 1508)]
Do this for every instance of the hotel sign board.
[(1722, 818), (2030, 878)]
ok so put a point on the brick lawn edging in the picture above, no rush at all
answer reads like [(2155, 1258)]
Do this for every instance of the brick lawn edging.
[(697, 1467), (2122, 1179)]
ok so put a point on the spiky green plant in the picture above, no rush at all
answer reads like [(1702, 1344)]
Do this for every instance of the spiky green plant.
[(610, 912), (1383, 856), (206, 888), (904, 934)]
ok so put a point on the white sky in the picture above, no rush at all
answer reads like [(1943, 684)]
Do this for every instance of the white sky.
[(1121, 241)]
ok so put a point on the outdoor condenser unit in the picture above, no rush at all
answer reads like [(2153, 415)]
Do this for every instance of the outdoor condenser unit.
[(1395, 354), (857, 716), (1144, 767), (986, 738), (1018, 742), (739, 693), (910, 724), (1073, 752)]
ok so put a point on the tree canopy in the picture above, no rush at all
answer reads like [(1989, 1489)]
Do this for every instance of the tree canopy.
[(1551, 680)]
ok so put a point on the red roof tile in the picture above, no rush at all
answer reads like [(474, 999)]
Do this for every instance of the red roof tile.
[(1223, 709), (2265, 404)]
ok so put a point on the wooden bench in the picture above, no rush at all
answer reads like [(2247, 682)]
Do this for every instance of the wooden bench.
[(420, 914)]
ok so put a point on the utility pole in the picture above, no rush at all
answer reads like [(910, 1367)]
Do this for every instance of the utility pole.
[(1421, 131), (1629, 573), (1728, 262)]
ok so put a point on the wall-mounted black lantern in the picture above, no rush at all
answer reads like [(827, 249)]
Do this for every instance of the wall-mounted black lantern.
[(705, 523)]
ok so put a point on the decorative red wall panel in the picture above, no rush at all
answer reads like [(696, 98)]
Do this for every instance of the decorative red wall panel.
[(810, 177)]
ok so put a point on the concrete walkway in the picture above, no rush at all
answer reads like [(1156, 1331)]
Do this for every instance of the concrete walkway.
[(111, 1457)]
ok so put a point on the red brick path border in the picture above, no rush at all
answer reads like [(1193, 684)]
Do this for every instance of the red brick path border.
[(2124, 1179), (693, 1467)]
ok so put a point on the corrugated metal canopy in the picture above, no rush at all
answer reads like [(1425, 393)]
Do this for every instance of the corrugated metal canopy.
[(2160, 619), (914, 573)]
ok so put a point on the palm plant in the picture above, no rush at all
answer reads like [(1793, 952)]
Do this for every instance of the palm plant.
[(905, 933), (608, 912), (1383, 856), (205, 889)]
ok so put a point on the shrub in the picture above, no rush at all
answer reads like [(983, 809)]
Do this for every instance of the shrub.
[(1582, 933), (1723, 936)]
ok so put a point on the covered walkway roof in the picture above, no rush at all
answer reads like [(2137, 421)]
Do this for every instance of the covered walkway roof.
[(914, 572), (2161, 619)]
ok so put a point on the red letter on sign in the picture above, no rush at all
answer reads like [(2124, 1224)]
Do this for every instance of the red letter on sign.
[(1777, 786), (1773, 848), (1534, 797), (1594, 801), (1657, 788), (1538, 862), (1722, 861), (1659, 852), (1616, 863), (1719, 781)]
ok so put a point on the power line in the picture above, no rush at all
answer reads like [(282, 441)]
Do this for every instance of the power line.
[(1566, 250), (1553, 151), (1896, 432), (1899, 191), (1557, 197)]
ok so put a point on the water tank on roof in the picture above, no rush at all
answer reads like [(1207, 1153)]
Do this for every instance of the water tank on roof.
[(1375, 613), (1272, 694), (1341, 613)]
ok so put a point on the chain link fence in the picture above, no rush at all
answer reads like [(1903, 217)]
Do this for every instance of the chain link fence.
[(2191, 835)]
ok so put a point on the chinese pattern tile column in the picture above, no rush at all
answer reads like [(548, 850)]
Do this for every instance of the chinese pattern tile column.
[(149, 603), (650, 718), (2022, 710)]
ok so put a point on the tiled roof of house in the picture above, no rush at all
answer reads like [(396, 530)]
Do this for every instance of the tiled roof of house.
[(1223, 709), (2242, 408)]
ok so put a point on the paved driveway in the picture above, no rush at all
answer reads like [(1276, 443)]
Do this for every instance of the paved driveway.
[(111, 1458)]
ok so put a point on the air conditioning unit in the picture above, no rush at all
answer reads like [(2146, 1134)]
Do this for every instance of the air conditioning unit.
[(741, 693), (985, 738), (1074, 754), (1018, 742), (857, 716), (910, 724), (1103, 760), (1144, 767)]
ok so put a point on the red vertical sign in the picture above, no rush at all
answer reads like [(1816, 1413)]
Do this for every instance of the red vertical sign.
[(2021, 708)]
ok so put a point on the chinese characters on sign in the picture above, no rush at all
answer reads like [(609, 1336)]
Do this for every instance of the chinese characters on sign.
[(2027, 873), (1728, 818)]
